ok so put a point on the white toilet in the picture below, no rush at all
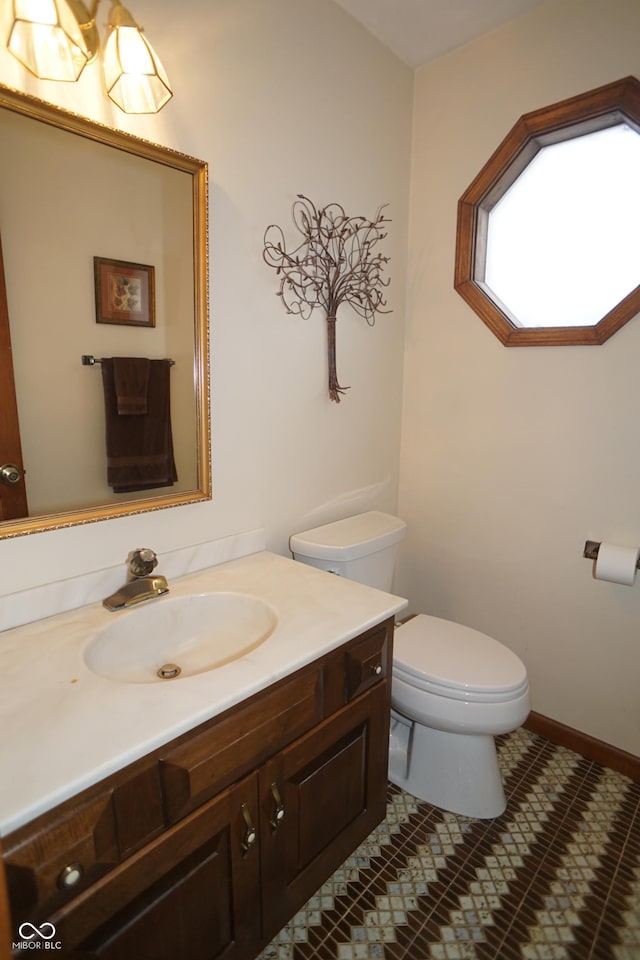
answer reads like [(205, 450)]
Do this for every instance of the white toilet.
[(453, 689)]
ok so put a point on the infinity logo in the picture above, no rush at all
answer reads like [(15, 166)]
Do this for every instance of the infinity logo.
[(36, 931)]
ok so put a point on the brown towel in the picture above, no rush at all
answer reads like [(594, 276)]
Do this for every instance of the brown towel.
[(139, 448), (131, 380)]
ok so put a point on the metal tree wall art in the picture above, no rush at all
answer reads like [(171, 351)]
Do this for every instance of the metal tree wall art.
[(334, 263)]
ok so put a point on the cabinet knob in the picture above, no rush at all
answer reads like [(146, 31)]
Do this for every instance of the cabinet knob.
[(376, 669), (71, 876), (250, 834), (278, 808)]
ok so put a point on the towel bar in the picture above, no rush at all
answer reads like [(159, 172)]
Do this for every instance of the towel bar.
[(88, 360)]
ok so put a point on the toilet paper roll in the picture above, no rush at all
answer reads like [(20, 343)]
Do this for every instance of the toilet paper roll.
[(617, 564)]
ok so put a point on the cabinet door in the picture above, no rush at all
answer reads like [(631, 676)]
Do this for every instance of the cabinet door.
[(319, 799), (192, 895)]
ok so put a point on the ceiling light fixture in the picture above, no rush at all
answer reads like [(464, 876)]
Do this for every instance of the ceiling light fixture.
[(55, 39)]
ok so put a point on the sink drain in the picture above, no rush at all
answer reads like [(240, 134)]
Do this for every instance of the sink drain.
[(168, 671)]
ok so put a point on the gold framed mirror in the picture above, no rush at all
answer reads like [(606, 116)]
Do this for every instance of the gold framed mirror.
[(74, 192)]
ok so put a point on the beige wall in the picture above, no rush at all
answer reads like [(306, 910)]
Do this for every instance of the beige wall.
[(513, 457), (279, 98)]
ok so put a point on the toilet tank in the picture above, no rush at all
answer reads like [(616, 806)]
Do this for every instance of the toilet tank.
[(361, 548)]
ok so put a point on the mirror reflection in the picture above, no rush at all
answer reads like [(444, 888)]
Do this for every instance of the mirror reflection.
[(103, 255)]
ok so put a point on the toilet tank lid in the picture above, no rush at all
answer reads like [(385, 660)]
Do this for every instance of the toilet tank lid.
[(350, 538)]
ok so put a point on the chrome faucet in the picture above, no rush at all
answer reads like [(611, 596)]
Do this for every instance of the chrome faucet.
[(142, 585)]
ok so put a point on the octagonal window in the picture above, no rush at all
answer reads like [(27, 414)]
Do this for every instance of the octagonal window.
[(548, 250), (554, 260)]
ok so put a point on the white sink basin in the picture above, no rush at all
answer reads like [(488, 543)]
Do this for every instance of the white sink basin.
[(195, 634)]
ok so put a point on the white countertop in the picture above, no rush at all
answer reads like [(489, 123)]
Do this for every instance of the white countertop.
[(65, 728)]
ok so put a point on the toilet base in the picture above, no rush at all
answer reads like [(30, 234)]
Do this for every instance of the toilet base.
[(454, 771)]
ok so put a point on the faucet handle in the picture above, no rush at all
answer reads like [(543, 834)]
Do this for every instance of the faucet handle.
[(142, 562)]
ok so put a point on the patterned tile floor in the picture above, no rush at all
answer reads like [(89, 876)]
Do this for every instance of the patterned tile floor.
[(556, 877)]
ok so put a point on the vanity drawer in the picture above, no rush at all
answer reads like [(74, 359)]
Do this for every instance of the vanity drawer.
[(60, 853), (367, 661), (47, 862), (208, 762)]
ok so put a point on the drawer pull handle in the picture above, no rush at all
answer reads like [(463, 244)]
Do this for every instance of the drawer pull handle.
[(376, 669), (71, 876), (251, 834), (278, 809)]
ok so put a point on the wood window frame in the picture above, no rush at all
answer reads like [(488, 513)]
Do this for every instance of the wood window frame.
[(598, 109)]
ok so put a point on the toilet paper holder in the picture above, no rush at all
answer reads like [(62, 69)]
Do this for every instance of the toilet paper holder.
[(591, 549)]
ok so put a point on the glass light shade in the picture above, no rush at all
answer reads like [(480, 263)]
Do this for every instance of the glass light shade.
[(134, 76), (47, 40)]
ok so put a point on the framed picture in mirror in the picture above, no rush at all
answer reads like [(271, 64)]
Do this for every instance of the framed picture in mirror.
[(125, 292)]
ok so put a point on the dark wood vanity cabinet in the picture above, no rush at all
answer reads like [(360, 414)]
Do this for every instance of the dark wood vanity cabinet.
[(193, 894), (204, 849), (332, 786)]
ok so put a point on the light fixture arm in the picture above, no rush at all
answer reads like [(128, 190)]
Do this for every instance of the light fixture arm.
[(86, 18)]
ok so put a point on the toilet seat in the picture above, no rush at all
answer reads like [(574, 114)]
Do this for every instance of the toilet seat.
[(453, 661)]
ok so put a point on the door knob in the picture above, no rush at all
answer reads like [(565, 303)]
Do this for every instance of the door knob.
[(9, 473)]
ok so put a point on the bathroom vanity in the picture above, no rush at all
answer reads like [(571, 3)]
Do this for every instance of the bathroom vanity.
[(205, 845)]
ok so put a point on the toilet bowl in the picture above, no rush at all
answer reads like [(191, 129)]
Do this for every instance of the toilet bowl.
[(453, 688)]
